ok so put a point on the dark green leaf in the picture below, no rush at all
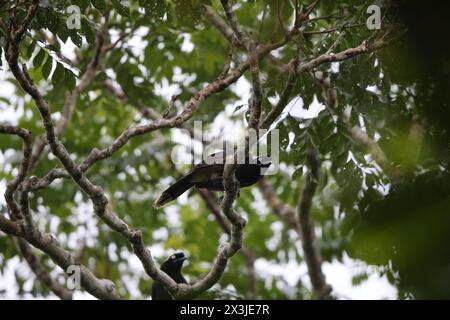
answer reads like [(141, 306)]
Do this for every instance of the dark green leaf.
[(121, 8), (99, 4), (88, 31), (39, 58), (47, 68), (69, 80), (58, 75)]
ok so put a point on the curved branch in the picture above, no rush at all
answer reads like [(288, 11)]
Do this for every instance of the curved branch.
[(212, 203), (12, 186)]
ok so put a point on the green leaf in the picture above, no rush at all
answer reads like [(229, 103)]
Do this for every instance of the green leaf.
[(47, 68), (83, 4), (52, 21), (99, 4), (88, 32), (30, 49), (154, 8), (63, 32), (69, 79), (58, 75), (121, 9), (76, 38), (39, 58)]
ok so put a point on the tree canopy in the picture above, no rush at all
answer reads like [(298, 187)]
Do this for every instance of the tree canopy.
[(101, 93)]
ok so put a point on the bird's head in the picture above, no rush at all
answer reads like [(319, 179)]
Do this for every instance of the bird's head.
[(174, 262), (264, 162)]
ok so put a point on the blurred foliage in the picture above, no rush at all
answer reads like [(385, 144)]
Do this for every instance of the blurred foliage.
[(400, 226)]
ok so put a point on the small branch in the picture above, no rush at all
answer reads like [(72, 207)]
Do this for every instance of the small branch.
[(309, 242), (12, 186), (256, 100), (228, 33), (222, 26), (280, 209), (226, 67), (212, 203), (334, 29), (336, 42), (304, 15), (284, 99), (234, 24), (363, 48), (19, 32)]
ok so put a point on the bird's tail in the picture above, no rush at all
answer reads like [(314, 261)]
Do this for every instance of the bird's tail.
[(174, 191)]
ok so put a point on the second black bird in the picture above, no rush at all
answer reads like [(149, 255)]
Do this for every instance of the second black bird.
[(172, 266)]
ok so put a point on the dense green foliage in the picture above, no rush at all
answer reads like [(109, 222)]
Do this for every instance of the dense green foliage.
[(398, 224)]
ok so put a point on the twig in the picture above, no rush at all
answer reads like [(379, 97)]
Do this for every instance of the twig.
[(284, 98)]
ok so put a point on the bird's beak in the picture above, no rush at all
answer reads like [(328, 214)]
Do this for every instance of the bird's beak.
[(264, 162), (182, 259)]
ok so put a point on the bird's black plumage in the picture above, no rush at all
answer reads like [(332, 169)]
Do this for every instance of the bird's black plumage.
[(172, 266), (210, 176)]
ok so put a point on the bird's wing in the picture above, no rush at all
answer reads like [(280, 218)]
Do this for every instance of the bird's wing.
[(205, 172)]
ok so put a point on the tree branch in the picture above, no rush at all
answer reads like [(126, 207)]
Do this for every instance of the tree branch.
[(234, 24), (284, 99), (12, 186), (212, 203), (280, 209), (309, 242)]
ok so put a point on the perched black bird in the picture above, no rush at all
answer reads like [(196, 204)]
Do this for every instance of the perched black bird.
[(172, 267), (210, 176)]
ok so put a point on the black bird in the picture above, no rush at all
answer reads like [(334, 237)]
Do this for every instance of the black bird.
[(172, 266), (210, 176)]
